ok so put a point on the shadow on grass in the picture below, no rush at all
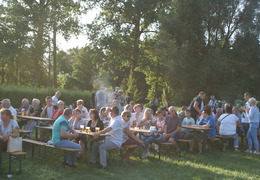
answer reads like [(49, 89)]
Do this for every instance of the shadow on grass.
[(211, 165)]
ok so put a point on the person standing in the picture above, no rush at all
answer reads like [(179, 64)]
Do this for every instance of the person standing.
[(245, 119), (100, 99), (197, 105), (213, 103), (251, 136), (56, 97), (61, 133)]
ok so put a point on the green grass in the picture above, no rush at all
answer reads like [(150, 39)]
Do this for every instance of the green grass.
[(211, 165)]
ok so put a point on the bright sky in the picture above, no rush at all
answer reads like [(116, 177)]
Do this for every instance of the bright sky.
[(82, 39)]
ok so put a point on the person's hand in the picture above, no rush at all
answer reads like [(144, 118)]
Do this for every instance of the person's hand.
[(5, 138), (96, 135), (166, 135), (141, 142), (75, 135)]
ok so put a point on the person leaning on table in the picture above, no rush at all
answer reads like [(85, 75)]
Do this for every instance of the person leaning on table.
[(61, 132), (8, 127), (114, 141)]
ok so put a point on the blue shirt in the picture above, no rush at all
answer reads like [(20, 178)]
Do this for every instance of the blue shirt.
[(210, 121), (60, 123), (253, 115)]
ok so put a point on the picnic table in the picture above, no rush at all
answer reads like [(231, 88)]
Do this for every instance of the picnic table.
[(35, 118)]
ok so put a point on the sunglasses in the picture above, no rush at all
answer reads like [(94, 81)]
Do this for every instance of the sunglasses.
[(128, 116)]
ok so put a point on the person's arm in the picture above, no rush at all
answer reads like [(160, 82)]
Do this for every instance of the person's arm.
[(104, 131), (205, 126), (196, 106), (218, 125), (250, 112), (131, 135), (64, 134), (55, 116), (13, 134), (167, 135), (44, 112), (143, 123)]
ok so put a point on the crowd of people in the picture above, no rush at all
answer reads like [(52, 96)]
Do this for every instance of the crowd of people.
[(115, 115)]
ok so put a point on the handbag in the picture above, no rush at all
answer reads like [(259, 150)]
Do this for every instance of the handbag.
[(14, 144)]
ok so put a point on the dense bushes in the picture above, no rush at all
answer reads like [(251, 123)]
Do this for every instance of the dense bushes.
[(17, 93)]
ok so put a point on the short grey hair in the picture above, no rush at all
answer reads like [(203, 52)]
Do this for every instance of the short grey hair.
[(172, 108), (25, 100), (35, 101), (252, 100), (6, 101), (219, 109)]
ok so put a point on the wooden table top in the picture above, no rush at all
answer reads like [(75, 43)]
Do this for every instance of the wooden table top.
[(90, 134), (141, 130), (195, 127), (35, 118)]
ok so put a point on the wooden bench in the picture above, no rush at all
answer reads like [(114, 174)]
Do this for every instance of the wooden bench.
[(43, 144), (34, 143), (15, 156), (120, 150), (170, 144)]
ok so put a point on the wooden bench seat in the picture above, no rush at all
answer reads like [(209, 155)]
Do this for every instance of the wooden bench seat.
[(18, 157), (64, 149)]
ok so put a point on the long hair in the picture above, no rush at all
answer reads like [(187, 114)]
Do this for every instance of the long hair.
[(95, 112), (7, 112)]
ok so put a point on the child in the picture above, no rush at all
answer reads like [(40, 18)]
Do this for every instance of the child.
[(186, 133)]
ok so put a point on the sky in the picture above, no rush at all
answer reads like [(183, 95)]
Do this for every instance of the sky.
[(81, 39)]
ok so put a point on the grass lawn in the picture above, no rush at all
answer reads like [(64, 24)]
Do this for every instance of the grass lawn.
[(210, 165)]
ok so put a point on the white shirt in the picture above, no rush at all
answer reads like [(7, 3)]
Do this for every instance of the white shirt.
[(245, 118), (13, 111), (9, 129), (136, 118), (84, 112), (116, 134), (54, 100), (49, 111), (228, 124), (101, 97)]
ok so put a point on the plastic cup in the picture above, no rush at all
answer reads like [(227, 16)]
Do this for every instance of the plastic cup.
[(97, 129), (81, 127), (87, 129)]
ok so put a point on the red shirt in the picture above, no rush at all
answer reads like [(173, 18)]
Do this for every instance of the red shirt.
[(54, 112)]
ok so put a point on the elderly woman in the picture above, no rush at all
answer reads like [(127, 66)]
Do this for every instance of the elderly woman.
[(58, 112), (34, 110), (8, 127), (251, 136)]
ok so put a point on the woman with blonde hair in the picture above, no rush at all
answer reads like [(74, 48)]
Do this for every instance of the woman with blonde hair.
[(8, 127)]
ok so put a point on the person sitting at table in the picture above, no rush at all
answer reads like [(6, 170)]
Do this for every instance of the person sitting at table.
[(61, 133), (128, 137), (240, 129), (8, 127), (113, 141), (34, 110), (59, 111), (95, 120), (227, 124), (145, 123), (187, 133), (22, 111), (160, 125), (24, 108), (83, 109), (137, 116), (103, 115), (48, 109), (75, 122), (206, 122), (6, 103), (172, 129), (128, 108)]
